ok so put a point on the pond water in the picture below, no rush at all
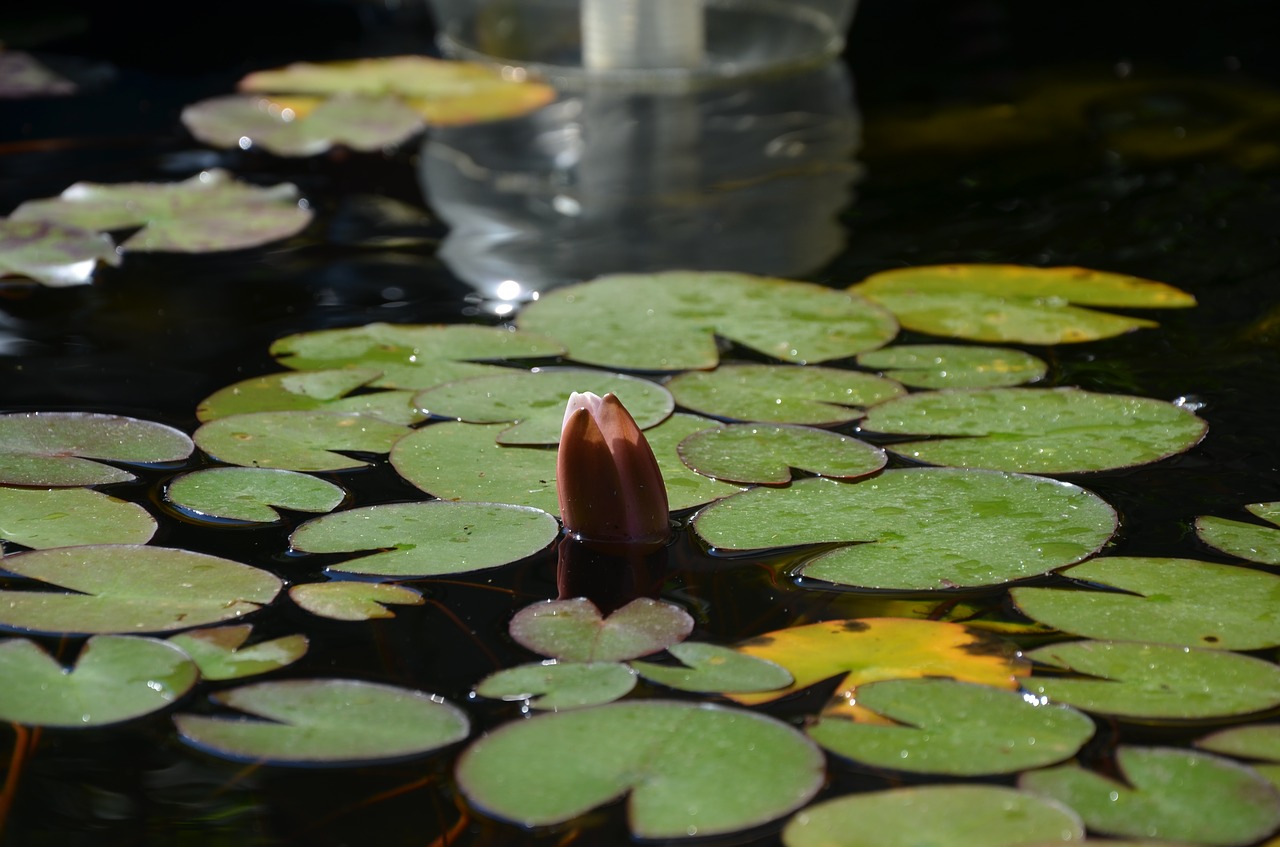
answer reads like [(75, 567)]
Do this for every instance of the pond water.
[(998, 135)]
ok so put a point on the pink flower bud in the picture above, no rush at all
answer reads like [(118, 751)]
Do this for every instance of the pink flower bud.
[(610, 488)]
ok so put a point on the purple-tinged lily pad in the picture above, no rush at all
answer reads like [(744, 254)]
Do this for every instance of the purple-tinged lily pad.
[(766, 453), (297, 441), (248, 494), (575, 631), (556, 686), (63, 517), (954, 365), (22, 75), (353, 601), (294, 391), (57, 449), (220, 652), (716, 669), (1250, 541), (782, 393), (52, 254)]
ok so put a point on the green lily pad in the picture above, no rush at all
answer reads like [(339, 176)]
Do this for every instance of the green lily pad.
[(765, 453), (1171, 601), (220, 652), (131, 588), (311, 390), (918, 529), (553, 686), (301, 126), (1032, 430), (52, 254), (248, 494), (412, 356), (209, 212), (534, 403), (954, 366), (689, 769), (57, 449), (325, 722), (715, 669), (63, 517), (670, 321), (428, 539), (1258, 743), (1012, 303), (955, 728), (575, 631), (353, 601), (1168, 793), (1247, 540), (782, 393), (296, 441), (1156, 681), (115, 678)]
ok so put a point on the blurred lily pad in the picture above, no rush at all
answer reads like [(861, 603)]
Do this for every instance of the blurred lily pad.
[(248, 494), (23, 75), (670, 321), (1257, 743), (301, 126), (1031, 430), (311, 390), (353, 601), (296, 441), (766, 453), (209, 212), (553, 686), (917, 529), (325, 722), (690, 770), (1013, 303), (57, 449), (1253, 542), (715, 669), (575, 631), (52, 254), (781, 393), (220, 652), (1172, 601), (428, 539), (131, 588), (62, 517), (954, 366), (115, 678)]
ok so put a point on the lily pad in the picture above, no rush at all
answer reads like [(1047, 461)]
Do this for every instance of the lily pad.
[(296, 441), (715, 669), (574, 630), (115, 678), (1013, 303), (1259, 743), (209, 212), (23, 75), (353, 601), (131, 588), (428, 539), (954, 728), (1171, 601), (1249, 541), (689, 769), (1031, 430), (52, 254), (954, 366), (553, 686), (1156, 681), (917, 528), (311, 390), (782, 393), (325, 722), (412, 356), (248, 494), (954, 815), (1181, 795), (765, 453), (220, 652), (670, 321), (534, 403), (56, 449), (63, 517)]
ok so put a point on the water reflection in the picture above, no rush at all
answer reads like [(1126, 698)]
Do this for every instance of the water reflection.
[(746, 178)]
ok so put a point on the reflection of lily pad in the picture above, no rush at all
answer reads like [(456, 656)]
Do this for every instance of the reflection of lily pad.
[(353, 601), (716, 669), (552, 686), (52, 254), (248, 494), (781, 393), (954, 366), (114, 679), (1030, 430), (301, 126), (766, 453), (307, 390), (428, 539), (670, 321), (1174, 601), (325, 721), (52, 449), (62, 517), (1011, 303), (689, 769), (220, 652), (534, 403), (209, 212), (296, 441), (575, 631), (1250, 541), (918, 529)]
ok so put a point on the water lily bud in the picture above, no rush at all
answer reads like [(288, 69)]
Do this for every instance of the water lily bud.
[(610, 488)]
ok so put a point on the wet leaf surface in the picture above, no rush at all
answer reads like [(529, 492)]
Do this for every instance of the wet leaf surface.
[(715, 669), (221, 653), (55, 449), (52, 254), (353, 601), (311, 390), (811, 395), (575, 631), (1257, 744), (954, 366), (296, 441), (555, 686), (302, 126), (248, 494), (763, 453), (62, 517), (1250, 541)]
